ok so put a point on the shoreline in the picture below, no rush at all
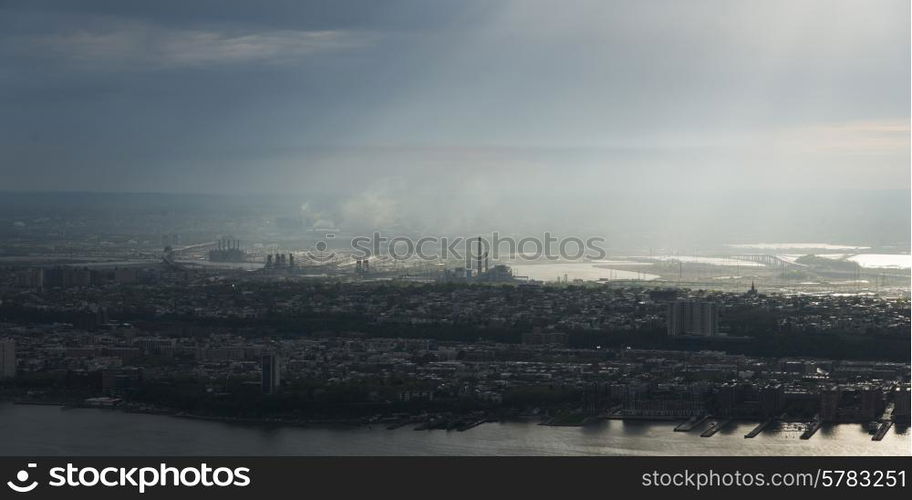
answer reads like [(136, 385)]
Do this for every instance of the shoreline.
[(429, 421)]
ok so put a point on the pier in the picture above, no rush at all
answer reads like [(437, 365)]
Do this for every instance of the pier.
[(760, 428), (812, 429), (469, 424), (885, 423), (715, 427), (691, 423), (882, 430)]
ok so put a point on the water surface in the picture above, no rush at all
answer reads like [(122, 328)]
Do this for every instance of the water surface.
[(50, 430)]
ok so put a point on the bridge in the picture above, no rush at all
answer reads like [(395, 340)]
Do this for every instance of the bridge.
[(767, 260)]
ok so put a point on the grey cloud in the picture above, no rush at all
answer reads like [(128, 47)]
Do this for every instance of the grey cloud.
[(140, 46), (496, 101)]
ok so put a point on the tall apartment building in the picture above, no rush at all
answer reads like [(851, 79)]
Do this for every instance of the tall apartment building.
[(693, 318), (7, 358), (271, 370)]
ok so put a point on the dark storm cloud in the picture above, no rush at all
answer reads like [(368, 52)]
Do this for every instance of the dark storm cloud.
[(452, 97), (278, 14), (101, 93)]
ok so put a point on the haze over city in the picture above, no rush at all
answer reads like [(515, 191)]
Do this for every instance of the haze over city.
[(764, 121), (522, 227)]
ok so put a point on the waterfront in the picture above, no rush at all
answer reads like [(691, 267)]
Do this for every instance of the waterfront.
[(51, 430), (586, 271)]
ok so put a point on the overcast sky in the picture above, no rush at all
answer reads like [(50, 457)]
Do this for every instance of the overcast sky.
[(368, 96)]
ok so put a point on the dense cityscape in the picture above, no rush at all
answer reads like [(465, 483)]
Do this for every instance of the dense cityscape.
[(248, 248), (246, 346), (155, 311)]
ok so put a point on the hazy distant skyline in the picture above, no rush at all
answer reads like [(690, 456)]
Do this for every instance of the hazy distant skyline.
[(345, 96)]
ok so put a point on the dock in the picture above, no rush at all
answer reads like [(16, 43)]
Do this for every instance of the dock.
[(469, 424), (715, 427), (432, 423), (401, 423), (882, 430), (885, 423), (812, 429), (760, 428), (691, 423)]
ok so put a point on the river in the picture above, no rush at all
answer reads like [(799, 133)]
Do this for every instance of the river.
[(51, 430)]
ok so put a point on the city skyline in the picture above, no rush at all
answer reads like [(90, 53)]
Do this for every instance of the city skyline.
[(236, 230)]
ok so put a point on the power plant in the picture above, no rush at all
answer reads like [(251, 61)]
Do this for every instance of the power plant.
[(227, 250), (280, 261), (482, 273), (362, 266)]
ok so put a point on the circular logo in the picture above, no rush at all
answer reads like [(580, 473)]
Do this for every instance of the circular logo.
[(320, 252)]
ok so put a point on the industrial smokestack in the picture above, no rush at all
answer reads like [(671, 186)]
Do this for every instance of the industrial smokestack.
[(479, 256)]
